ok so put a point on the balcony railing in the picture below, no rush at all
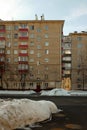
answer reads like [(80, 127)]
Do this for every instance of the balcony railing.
[(23, 62), (23, 54), (23, 46), (2, 38), (2, 30), (23, 29), (23, 38), (23, 71)]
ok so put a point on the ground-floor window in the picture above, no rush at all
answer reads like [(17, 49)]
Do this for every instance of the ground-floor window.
[(46, 85)]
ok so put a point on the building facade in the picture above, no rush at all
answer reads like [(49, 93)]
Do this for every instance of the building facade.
[(79, 60), (30, 54)]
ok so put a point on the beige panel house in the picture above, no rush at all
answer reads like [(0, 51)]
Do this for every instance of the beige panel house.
[(30, 54)]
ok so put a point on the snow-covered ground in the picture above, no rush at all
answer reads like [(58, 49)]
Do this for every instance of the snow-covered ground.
[(53, 92), (18, 113), (63, 92)]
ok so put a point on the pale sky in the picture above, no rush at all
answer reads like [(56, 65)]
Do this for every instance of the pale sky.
[(74, 12)]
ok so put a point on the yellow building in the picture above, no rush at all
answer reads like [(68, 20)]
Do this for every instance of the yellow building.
[(30, 54)]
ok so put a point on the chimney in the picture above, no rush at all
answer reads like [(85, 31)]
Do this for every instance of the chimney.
[(42, 17), (36, 17)]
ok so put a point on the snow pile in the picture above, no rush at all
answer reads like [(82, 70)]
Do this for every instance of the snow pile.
[(18, 113), (78, 93), (17, 92), (56, 92)]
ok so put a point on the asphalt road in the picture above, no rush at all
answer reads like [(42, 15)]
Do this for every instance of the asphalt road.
[(72, 117)]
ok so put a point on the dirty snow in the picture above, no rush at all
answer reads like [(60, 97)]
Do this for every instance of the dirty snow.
[(18, 113), (56, 92)]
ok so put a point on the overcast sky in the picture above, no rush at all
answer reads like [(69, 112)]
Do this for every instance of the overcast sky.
[(74, 12)]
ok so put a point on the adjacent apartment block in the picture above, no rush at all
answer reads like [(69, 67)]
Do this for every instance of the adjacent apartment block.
[(79, 60), (30, 54)]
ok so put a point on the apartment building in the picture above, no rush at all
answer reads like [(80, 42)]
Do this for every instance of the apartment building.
[(30, 54), (79, 60)]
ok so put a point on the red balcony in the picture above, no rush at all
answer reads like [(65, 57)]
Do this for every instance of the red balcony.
[(2, 54), (2, 62), (23, 54), (23, 38), (2, 30), (23, 62), (23, 29), (23, 71), (2, 38), (23, 46)]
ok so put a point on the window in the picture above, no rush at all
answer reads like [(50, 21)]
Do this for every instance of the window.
[(8, 35), (67, 51), (31, 27), (22, 58), (2, 58), (15, 43), (38, 54), (31, 35), (31, 68), (15, 35), (8, 44), (1, 35), (46, 76), (23, 51), (38, 30), (8, 51), (15, 52), (15, 59), (31, 51), (46, 27), (46, 35), (2, 43), (16, 27), (46, 68), (8, 27), (79, 45), (23, 43), (31, 84), (46, 85), (8, 60), (46, 43), (38, 38), (23, 34), (23, 25), (38, 46), (46, 51), (2, 27), (31, 43), (23, 66), (79, 38), (31, 60), (46, 60)]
